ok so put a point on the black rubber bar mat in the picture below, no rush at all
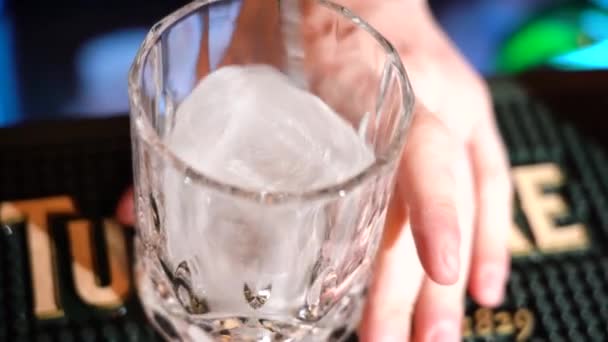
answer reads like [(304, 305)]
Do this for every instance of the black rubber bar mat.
[(65, 270)]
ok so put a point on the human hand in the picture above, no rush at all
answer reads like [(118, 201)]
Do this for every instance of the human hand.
[(453, 186), (453, 190)]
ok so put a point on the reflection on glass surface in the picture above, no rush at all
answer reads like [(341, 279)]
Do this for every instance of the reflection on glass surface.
[(103, 62)]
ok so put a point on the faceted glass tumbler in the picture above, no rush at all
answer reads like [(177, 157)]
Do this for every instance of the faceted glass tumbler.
[(215, 261)]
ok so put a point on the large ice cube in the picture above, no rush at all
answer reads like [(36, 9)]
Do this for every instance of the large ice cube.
[(249, 127)]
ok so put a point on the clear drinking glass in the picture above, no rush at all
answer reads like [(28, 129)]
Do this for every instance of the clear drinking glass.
[(218, 261)]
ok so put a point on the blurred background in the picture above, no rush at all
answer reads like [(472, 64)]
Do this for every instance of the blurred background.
[(69, 58)]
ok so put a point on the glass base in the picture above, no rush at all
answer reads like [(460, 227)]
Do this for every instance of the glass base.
[(169, 318)]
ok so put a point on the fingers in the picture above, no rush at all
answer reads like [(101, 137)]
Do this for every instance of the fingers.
[(429, 182), (439, 310), (490, 255), (251, 39), (397, 278), (343, 63), (125, 211)]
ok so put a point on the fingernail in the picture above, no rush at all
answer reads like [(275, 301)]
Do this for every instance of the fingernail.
[(445, 331), (451, 260), (493, 280)]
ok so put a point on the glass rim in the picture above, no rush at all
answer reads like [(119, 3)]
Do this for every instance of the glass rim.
[(142, 126)]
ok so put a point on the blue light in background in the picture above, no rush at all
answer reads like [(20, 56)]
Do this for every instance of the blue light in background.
[(102, 67), (102, 62), (9, 108), (592, 57), (595, 24), (601, 3), (479, 27)]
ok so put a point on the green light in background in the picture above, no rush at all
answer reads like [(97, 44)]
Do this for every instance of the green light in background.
[(561, 32), (539, 42)]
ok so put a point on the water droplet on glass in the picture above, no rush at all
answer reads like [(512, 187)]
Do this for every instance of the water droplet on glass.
[(257, 298), (183, 289)]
